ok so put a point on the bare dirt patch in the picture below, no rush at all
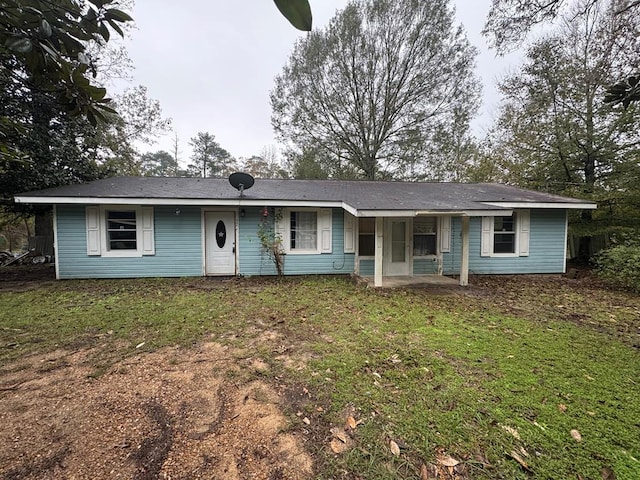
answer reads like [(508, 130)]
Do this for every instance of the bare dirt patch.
[(167, 415)]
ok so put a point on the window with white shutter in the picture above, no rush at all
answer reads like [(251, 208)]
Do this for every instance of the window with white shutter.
[(120, 231)]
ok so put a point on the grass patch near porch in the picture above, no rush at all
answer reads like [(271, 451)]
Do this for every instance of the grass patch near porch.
[(487, 376)]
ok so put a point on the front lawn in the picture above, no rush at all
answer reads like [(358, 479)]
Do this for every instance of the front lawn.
[(533, 377)]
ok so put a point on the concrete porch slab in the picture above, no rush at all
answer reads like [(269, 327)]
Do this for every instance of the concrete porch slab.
[(415, 281)]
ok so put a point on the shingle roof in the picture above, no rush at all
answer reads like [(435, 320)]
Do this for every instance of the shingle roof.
[(361, 195)]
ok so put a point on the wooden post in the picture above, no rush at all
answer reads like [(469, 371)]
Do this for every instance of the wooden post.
[(464, 263), (377, 268)]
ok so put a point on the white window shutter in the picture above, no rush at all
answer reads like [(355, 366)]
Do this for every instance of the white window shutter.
[(523, 220), (148, 242), (92, 215), (445, 234), (324, 229), (349, 233), (486, 238)]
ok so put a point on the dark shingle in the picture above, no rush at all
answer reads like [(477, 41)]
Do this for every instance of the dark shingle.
[(362, 195)]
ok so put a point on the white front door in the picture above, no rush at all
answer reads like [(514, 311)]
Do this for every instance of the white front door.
[(396, 258), (220, 243)]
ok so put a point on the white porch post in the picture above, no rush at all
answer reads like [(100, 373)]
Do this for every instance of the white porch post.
[(377, 267), (464, 261)]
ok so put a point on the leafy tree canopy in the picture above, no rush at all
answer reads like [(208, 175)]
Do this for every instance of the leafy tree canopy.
[(209, 158), (375, 92), (510, 21), (554, 133)]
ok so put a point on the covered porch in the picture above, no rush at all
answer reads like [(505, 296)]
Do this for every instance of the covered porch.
[(394, 252)]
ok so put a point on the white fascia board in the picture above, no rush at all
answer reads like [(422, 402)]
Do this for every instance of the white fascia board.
[(229, 202), (348, 208), (577, 206), (386, 213), (467, 213), (440, 213)]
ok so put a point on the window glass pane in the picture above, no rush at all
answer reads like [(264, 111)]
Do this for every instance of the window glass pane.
[(366, 237), (424, 236), (504, 243), (304, 230), (366, 245), (504, 224), (398, 241), (397, 252), (121, 230), (424, 225), (504, 237), (424, 245)]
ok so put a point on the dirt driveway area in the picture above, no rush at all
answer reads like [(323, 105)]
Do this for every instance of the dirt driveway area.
[(172, 414)]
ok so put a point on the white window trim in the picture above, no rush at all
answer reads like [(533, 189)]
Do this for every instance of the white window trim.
[(145, 243), (521, 236), (324, 231)]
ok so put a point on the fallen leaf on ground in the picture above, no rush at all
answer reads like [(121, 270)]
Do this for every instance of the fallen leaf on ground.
[(576, 435), (607, 474), (351, 423), (447, 461), (339, 434), (395, 449), (520, 460), (511, 430), (337, 446)]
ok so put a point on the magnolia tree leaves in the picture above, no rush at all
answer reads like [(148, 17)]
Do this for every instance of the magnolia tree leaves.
[(298, 12), (50, 42), (624, 92)]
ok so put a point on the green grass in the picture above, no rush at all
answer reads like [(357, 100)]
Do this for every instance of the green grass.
[(434, 372)]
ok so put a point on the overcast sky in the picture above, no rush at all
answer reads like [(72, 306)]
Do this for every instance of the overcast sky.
[(211, 64)]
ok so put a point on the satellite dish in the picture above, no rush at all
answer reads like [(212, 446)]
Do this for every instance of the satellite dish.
[(241, 181)]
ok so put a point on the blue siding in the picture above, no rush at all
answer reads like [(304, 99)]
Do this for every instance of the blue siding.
[(253, 261), (425, 266), (178, 244), (546, 247), (367, 267)]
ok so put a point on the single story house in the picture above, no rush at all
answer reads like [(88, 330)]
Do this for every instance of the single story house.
[(174, 227)]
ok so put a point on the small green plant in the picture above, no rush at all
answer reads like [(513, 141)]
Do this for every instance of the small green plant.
[(270, 239), (620, 266)]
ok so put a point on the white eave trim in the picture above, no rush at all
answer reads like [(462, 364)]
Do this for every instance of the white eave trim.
[(228, 202), (437, 213), (563, 205)]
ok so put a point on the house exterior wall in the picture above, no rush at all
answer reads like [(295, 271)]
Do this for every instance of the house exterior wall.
[(253, 261), (178, 247), (546, 247)]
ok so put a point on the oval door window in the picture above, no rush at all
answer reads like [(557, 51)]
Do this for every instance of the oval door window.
[(221, 234)]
